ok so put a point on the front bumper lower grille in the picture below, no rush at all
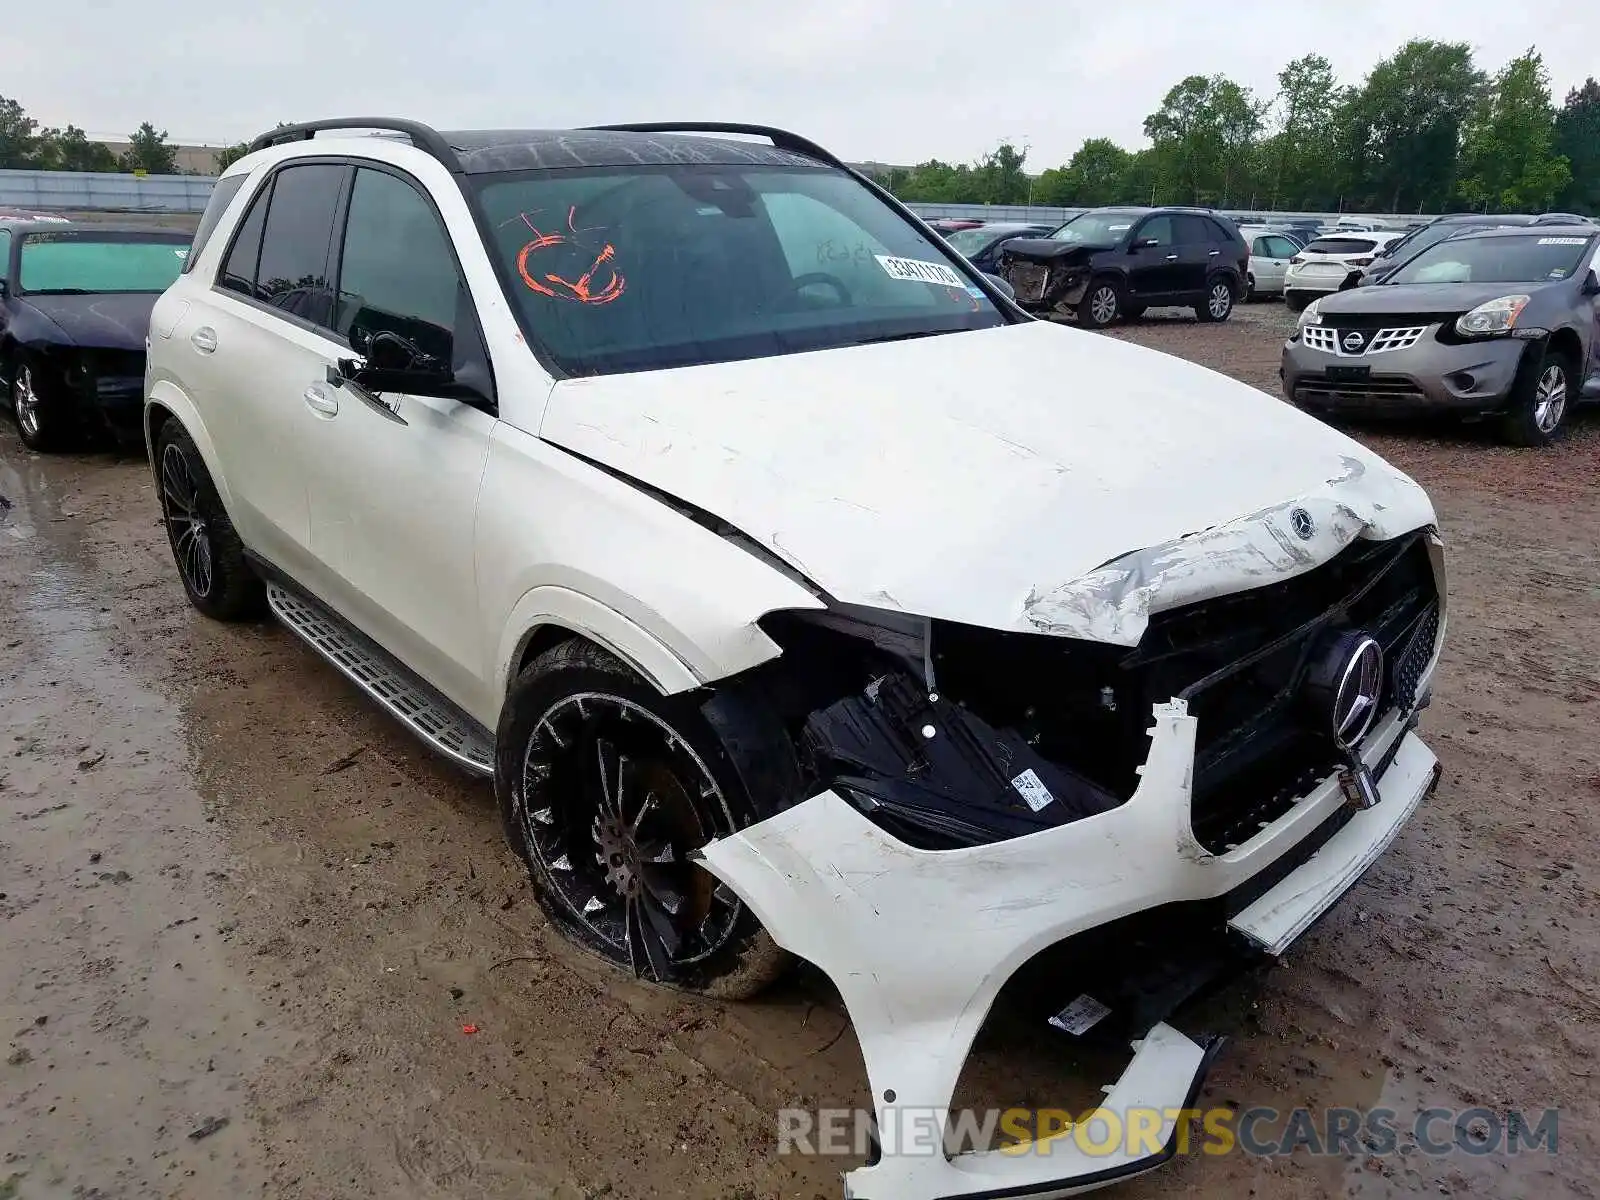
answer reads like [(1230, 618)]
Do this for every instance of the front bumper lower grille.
[(1259, 745)]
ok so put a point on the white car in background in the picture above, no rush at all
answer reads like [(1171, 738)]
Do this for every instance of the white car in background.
[(1270, 252), (1324, 265)]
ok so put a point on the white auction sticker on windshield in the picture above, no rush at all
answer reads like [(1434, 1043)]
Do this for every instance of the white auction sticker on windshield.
[(1562, 241), (917, 271)]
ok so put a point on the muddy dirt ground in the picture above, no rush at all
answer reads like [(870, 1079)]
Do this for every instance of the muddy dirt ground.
[(246, 924)]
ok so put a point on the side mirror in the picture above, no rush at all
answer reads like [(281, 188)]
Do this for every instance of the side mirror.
[(1591, 283), (1003, 285)]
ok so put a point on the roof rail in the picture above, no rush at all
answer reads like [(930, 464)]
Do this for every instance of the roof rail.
[(423, 137), (781, 138)]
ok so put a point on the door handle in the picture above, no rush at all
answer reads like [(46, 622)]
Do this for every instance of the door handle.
[(1172, 258), (1214, 253), (204, 339), (319, 401)]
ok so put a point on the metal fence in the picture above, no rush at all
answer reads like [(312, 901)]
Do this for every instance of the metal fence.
[(50, 191), (1045, 214)]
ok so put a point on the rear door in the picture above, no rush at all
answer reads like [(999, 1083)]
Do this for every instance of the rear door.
[(1270, 261), (252, 341), (1153, 267), (1200, 251)]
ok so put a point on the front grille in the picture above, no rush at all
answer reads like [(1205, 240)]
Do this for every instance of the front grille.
[(1240, 662), (1332, 341), (1314, 391), (1029, 280)]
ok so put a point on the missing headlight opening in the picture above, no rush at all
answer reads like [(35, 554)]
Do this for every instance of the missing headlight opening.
[(948, 735)]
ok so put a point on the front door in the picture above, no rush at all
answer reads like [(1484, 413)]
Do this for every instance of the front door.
[(394, 479), (1154, 263)]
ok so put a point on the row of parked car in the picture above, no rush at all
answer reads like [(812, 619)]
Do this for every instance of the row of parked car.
[(1470, 315)]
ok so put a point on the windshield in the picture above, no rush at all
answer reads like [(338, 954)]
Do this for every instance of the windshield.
[(639, 268), (971, 241), (85, 262), (1096, 229), (1521, 258)]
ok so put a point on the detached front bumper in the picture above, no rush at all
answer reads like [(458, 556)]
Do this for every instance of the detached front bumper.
[(1431, 377), (920, 942)]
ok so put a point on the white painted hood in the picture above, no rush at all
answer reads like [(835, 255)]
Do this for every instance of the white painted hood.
[(979, 477)]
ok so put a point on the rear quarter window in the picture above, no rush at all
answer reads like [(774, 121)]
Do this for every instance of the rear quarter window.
[(221, 196)]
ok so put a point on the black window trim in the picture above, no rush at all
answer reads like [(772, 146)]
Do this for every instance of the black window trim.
[(341, 229), (269, 181), (202, 236)]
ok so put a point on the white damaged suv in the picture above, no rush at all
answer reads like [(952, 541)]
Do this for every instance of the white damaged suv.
[(801, 595)]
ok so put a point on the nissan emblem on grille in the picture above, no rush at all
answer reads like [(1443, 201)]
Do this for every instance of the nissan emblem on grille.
[(1302, 524), (1354, 340)]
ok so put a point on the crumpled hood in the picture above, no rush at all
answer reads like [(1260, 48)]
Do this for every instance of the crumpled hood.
[(987, 477), (1050, 250), (108, 321)]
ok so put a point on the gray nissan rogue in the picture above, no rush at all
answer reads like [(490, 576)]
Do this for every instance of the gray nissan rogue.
[(1501, 323)]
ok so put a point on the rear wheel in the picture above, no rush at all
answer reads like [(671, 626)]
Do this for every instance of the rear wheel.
[(606, 788), (1538, 415), (1295, 303), (209, 555), (1218, 304), (1101, 304)]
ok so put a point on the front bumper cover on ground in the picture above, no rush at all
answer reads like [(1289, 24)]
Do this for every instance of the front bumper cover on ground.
[(919, 942)]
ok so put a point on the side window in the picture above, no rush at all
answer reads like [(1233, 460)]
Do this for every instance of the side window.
[(1262, 247), (1157, 229), (1196, 231), (5, 254), (238, 273), (397, 273), (1281, 247), (221, 196), (293, 271)]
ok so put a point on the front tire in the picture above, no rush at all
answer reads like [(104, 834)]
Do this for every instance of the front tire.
[(208, 553), (1218, 304), (1539, 411), (42, 423), (1101, 304), (606, 787)]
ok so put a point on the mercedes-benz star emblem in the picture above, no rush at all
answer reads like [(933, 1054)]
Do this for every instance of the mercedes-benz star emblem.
[(1343, 690), (1355, 702), (1302, 524), (1353, 341)]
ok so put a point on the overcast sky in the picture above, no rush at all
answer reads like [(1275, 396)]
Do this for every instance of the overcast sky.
[(892, 80)]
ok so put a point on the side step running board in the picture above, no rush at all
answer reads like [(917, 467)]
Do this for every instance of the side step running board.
[(429, 715)]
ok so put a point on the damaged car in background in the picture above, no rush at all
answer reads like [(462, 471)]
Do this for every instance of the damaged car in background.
[(789, 613)]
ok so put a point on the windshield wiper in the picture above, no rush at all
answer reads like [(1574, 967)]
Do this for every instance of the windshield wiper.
[(900, 337)]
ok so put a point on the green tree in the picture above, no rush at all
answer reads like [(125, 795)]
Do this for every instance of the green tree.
[(1402, 130), (1097, 174), (70, 149), (229, 155), (998, 177), (1577, 138), (1300, 160), (149, 151), (1204, 136), (1508, 157), (20, 147)]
